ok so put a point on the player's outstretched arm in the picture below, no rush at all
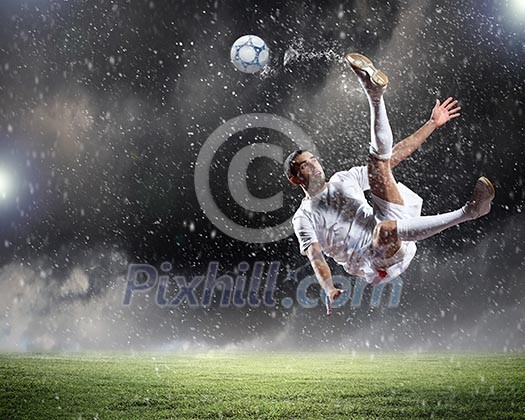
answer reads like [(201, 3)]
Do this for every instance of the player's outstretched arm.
[(441, 114), (323, 274)]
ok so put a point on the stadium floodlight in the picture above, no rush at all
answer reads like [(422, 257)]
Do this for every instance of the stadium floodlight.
[(5, 183), (518, 6)]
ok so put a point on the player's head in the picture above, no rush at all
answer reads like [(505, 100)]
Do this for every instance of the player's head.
[(302, 167)]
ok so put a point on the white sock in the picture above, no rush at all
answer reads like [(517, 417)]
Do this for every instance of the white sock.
[(381, 138), (418, 228)]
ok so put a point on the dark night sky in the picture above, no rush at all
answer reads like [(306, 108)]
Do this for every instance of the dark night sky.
[(104, 106)]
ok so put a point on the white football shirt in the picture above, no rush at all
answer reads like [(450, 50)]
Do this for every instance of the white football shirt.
[(339, 218)]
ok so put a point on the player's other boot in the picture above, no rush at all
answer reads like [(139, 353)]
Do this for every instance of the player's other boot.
[(370, 76), (482, 196)]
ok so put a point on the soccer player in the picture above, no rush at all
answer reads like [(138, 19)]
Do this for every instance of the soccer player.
[(375, 242)]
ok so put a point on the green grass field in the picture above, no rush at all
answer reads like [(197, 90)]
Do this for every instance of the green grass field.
[(280, 385)]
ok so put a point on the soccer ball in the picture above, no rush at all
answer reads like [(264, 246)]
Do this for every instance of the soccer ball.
[(249, 54)]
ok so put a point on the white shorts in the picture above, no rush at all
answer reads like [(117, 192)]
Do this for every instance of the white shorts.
[(377, 269)]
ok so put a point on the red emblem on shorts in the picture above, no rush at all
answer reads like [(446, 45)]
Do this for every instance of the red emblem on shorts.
[(381, 274)]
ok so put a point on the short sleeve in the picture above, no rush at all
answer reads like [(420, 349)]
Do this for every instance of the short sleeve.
[(304, 231), (357, 175)]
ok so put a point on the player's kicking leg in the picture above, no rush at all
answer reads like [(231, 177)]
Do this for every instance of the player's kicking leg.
[(380, 177)]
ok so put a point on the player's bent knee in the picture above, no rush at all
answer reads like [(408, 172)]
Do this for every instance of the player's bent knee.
[(385, 233)]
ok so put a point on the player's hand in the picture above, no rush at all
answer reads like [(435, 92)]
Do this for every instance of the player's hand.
[(330, 297), (445, 111)]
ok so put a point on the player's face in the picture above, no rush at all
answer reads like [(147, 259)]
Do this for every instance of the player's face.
[(309, 169)]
